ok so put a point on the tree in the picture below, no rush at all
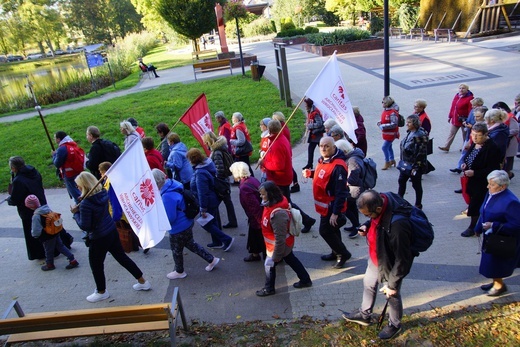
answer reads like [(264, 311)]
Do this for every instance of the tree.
[(191, 18)]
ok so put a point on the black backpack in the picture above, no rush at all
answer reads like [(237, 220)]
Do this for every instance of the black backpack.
[(111, 151), (422, 229), (369, 174), (191, 205)]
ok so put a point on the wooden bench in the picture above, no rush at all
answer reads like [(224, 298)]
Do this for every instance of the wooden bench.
[(90, 322), (212, 65), (448, 34), (397, 32), (418, 32), (203, 55)]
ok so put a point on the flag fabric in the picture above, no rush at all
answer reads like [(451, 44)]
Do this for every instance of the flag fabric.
[(198, 119), (330, 96), (137, 192)]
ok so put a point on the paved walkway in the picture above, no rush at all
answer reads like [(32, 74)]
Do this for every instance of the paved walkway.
[(444, 276)]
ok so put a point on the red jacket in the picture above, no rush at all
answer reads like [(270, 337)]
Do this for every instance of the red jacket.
[(278, 161), (155, 159), (460, 107), (224, 129)]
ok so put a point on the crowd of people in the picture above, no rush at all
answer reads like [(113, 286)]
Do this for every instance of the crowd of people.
[(338, 192)]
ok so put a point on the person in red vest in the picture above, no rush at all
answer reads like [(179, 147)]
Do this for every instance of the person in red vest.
[(153, 156), (241, 139), (69, 159), (329, 188), (389, 125), (278, 242), (224, 128)]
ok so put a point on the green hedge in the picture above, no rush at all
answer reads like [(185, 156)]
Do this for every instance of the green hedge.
[(338, 37), (298, 32)]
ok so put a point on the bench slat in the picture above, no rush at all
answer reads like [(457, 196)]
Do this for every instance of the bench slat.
[(212, 64), (90, 331)]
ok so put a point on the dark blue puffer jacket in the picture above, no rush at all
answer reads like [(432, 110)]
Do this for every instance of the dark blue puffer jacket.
[(93, 216)]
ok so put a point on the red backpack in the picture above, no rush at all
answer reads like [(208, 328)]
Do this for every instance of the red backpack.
[(75, 161)]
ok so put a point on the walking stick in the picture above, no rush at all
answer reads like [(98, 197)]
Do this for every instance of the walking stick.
[(382, 317), (280, 132), (38, 108)]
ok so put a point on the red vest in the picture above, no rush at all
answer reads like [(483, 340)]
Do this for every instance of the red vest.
[(267, 229), (242, 127), (321, 179), (389, 134), (264, 145)]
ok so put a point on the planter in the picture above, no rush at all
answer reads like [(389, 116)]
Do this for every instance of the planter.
[(297, 40), (350, 47)]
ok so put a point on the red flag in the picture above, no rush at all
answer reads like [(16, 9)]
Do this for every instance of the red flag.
[(198, 119)]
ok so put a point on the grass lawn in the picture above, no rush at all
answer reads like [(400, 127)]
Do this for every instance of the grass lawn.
[(164, 104)]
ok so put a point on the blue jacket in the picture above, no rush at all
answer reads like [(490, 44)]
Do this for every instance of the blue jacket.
[(173, 202), (500, 135), (203, 185), (178, 163), (93, 216)]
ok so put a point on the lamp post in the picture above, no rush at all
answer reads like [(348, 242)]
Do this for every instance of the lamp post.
[(386, 48), (240, 48), (236, 9)]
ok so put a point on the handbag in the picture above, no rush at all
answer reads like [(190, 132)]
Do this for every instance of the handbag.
[(464, 185), (405, 167), (429, 147), (222, 187), (245, 149), (501, 246)]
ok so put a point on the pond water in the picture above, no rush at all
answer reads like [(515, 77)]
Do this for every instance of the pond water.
[(12, 84)]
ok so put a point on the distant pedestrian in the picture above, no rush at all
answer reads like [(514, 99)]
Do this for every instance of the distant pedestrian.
[(315, 130), (69, 159), (389, 125), (459, 112)]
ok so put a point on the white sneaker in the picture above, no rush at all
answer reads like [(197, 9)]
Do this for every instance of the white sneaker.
[(142, 286), (175, 275), (95, 297), (212, 264)]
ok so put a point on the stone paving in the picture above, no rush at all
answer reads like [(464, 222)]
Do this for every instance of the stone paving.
[(444, 276)]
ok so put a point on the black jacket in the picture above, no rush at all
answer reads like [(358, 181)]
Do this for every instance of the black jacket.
[(394, 238), (27, 181)]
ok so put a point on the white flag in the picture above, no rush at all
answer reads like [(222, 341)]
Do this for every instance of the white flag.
[(330, 96), (137, 192)]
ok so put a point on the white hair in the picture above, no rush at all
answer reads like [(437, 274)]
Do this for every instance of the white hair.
[(239, 170), (160, 177), (345, 146)]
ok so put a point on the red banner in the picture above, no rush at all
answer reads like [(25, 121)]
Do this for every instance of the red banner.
[(198, 119)]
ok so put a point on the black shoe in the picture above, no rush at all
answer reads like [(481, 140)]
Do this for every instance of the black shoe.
[(497, 292), (328, 257), (419, 206), (251, 257), (308, 166), (467, 233), (456, 170), (458, 191), (295, 188), (230, 226), (342, 259), (389, 332), (358, 318), (352, 228), (301, 284), (308, 225), (353, 234), (486, 287), (265, 292), (146, 250)]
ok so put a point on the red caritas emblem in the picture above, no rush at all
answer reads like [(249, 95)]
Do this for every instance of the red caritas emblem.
[(340, 89), (146, 190)]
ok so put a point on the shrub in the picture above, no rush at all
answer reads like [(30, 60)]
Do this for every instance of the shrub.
[(376, 24), (291, 33), (287, 24), (407, 16), (311, 30), (338, 37), (260, 26)]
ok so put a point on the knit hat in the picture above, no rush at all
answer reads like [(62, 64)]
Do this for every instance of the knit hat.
[(32, 202), (266, 121)]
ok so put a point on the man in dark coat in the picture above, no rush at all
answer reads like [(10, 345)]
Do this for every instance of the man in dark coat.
[(26, 181), (390, 257)]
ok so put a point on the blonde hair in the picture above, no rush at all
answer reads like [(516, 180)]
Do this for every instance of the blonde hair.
[(478, 101), (209, 138), (86, 181), (239, 170), (495, 115), (421, 102), (278, 116), (127, 127)]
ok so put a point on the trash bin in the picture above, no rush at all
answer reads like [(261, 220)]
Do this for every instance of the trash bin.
[(261, 69), (254, 71)]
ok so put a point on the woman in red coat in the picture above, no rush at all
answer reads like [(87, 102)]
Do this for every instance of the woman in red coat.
[(459, 112), (389, 126)]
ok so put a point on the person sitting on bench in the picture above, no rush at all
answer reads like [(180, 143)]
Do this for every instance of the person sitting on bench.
[(146, 68)]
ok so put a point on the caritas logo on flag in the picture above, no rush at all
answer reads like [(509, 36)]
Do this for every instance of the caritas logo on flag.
[(198, 119), (138, 201)]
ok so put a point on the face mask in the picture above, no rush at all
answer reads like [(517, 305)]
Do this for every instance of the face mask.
[(264, 203)]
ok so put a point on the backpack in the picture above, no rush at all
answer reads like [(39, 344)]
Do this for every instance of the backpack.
[(401, 121), (369, 174), (422, 230), (111, 151), (295, 219), (191, 205), (53, 223), (75, 159)]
